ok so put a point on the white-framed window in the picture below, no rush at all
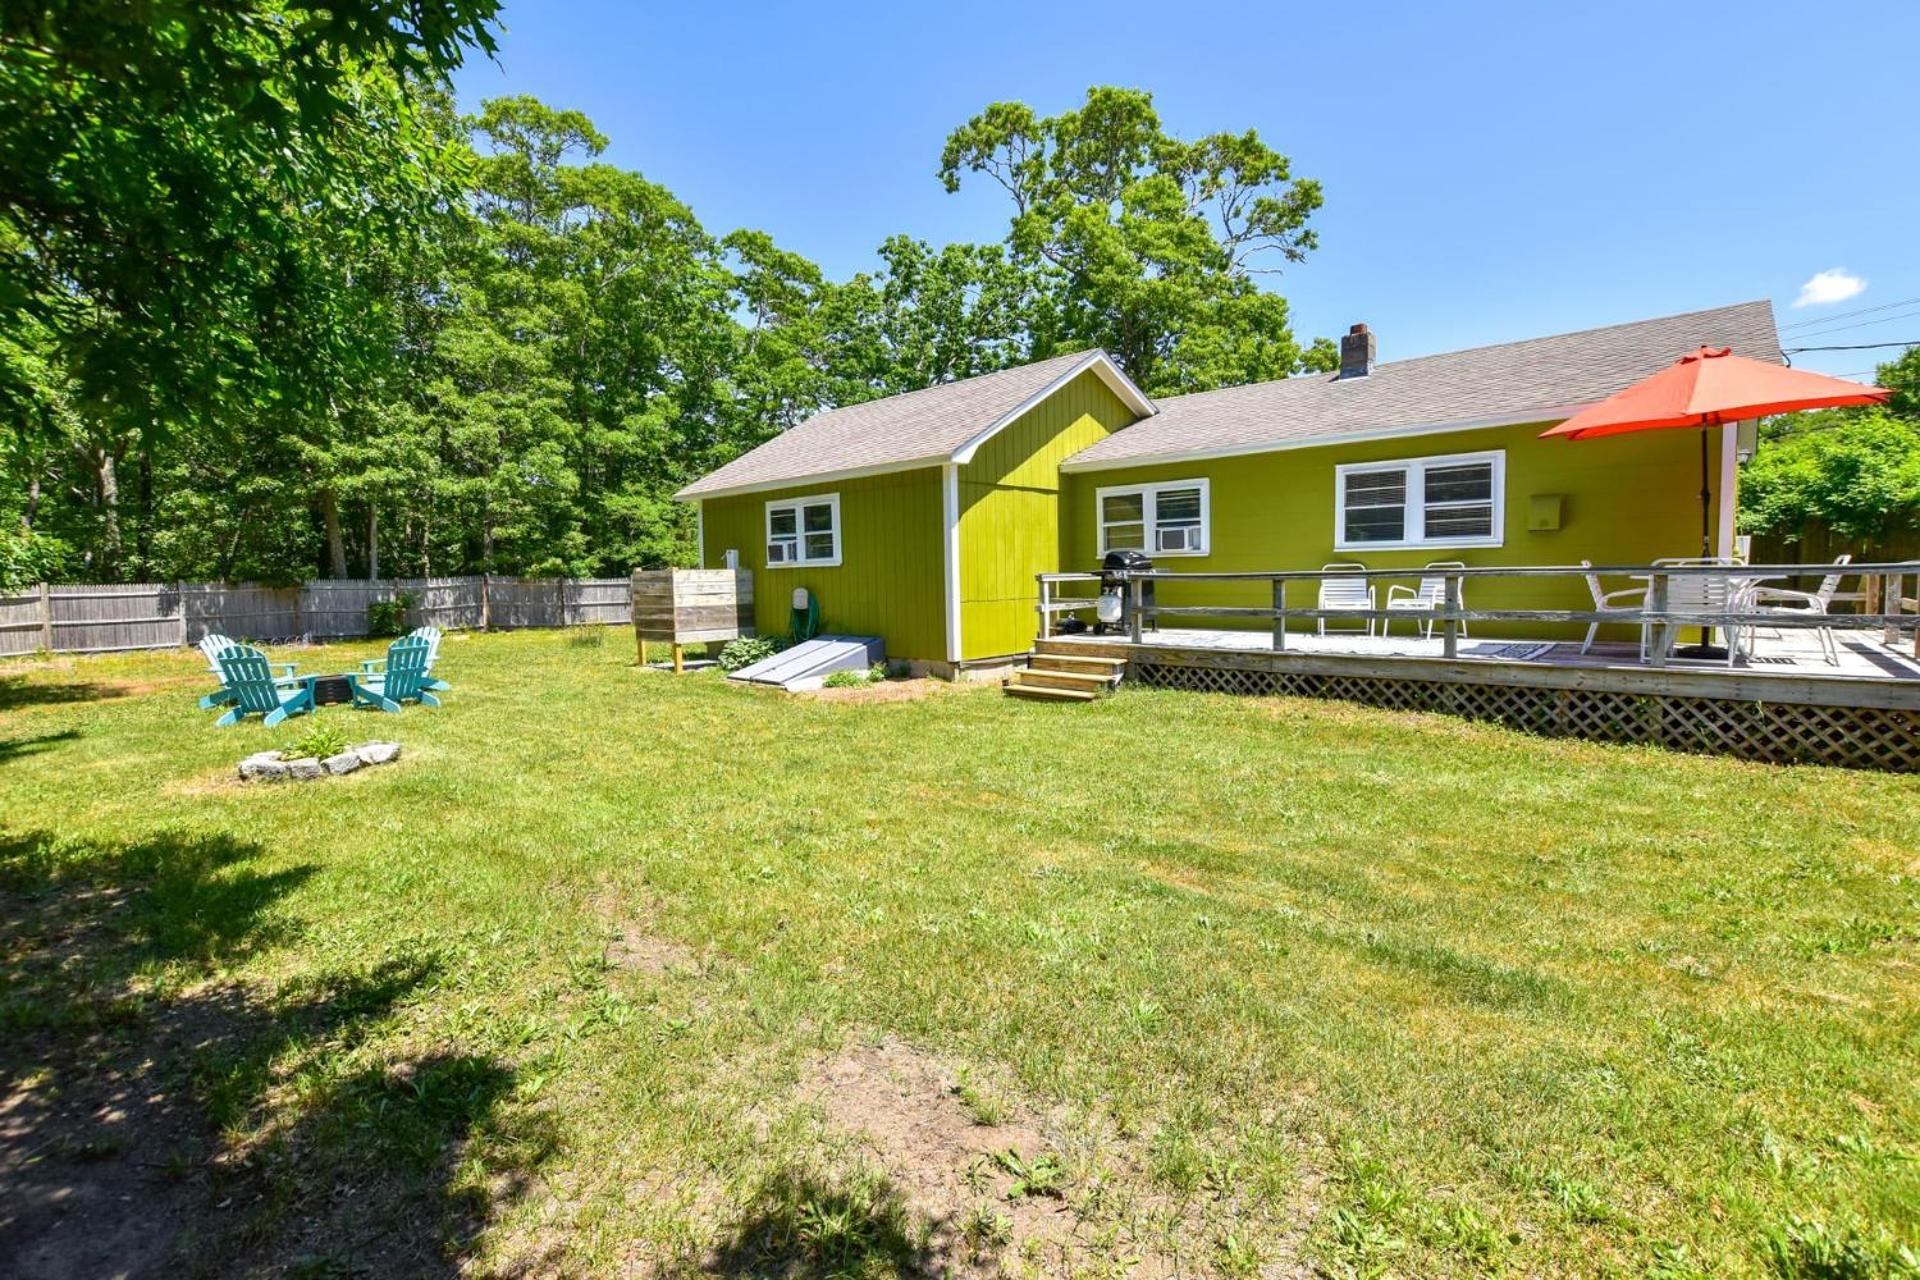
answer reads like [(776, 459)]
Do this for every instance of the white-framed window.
[(1164, 519), (804, 531), (1454, 500)]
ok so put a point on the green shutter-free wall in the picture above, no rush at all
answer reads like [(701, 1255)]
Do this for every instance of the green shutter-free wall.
[(889, 582), (1010, 518), (1625, 500)]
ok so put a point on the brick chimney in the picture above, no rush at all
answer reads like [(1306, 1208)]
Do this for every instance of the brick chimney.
[(1356, 353)]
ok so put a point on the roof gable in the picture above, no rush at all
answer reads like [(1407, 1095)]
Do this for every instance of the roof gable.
[(929, 427), (1535, 380)]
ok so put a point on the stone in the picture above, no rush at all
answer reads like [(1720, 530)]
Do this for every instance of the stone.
[(377, 752), (304, 768), (264, 766), (345, 762)]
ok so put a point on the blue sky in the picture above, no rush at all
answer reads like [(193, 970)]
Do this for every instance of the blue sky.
[(1492, 171)]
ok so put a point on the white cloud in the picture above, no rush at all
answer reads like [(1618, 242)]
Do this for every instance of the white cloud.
[(1828, 287)]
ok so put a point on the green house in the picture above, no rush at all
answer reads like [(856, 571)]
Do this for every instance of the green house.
[(923, 518)]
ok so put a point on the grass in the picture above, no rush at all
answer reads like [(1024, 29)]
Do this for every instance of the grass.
[(1293, 984)]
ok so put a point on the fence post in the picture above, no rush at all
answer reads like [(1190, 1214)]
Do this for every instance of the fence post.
[(561, 583), (180, 603), (1136, 620), (1279, 615), (486, 606), (1450, 627), (46, 617)]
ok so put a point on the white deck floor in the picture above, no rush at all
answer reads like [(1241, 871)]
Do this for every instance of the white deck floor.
[(1863, 655)]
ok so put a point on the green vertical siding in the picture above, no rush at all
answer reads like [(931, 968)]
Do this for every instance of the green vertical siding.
[(1010, 525), (889, 581), (1627, 499)]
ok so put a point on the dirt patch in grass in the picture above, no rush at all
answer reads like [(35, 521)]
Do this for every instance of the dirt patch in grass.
[(887, 691), (637, 951), (977, 1168)]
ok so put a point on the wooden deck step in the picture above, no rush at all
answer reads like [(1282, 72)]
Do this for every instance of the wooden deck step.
[(1066, 677), (1083, 663), (1041, 693)]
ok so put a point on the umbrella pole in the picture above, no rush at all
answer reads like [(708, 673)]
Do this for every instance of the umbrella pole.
[(1706, 501)]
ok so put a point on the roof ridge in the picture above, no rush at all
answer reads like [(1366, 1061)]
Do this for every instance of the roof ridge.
[(1579, 333), (1304, 378), (950, 383)]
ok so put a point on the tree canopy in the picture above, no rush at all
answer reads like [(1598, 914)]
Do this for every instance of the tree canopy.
[(272, 308), (1855, 471)]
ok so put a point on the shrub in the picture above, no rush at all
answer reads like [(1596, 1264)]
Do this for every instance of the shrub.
[(389, 617), (846, 680), (748, 650), (319, 741)]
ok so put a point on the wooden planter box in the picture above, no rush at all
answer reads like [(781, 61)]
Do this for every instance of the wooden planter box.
[(691, 606)]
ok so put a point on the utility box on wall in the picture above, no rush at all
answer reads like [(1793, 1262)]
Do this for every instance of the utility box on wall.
[(1543, 512), (691, 606)]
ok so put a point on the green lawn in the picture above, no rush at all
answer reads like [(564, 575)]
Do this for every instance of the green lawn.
[(622, 973)]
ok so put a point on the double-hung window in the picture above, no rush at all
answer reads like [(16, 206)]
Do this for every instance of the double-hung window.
[(804, 531), (1451, 501), (1165, 519)]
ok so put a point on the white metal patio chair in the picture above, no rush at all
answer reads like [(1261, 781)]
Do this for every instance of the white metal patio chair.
[(1345, 593), (1605, 601), (1428, 597), (1784, 600), (1707, 593)]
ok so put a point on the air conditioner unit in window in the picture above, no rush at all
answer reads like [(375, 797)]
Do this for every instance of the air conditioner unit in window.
[(777, 552), (1180, 539)]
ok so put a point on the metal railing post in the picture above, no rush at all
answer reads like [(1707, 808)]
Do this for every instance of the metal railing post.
[(1890, 604), (1450, 626), (1136, 619), (1663, 631), (1279, 615), (1046, 607)]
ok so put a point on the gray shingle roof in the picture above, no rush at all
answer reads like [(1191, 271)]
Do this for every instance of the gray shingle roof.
[(922, 427), (1510, 382)]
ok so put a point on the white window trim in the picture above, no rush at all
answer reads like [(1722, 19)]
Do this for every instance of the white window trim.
[(1149, 510), (1416, 469), (832, 500)]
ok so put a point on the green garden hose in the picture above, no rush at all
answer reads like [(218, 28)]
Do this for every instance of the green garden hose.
[(804, 622)]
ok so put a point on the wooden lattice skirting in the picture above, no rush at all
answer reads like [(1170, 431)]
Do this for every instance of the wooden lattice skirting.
[(1778, 732)]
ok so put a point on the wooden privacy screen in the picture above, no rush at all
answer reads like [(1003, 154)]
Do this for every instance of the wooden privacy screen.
[(691, 606)]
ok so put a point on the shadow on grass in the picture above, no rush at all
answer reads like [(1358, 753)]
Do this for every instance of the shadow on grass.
[(17, 692), (802, 1224), (11, 748), (159, 1118)]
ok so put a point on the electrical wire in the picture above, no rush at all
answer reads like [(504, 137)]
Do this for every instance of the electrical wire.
[(1848, 315), (1856, 346), (1859, 324)]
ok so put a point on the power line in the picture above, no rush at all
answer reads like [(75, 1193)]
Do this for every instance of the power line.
[(1856, 346), (1847, 315), (1859, 324)]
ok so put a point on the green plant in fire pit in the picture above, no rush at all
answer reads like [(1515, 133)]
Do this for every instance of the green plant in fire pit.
[(319, 741)]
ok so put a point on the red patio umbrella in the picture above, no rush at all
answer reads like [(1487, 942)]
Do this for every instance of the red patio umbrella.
[(1712, 387)]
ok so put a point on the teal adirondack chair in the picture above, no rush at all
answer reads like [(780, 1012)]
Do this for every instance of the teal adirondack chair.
[(211, 647), (249, 678), (403, 680), (375, 666)]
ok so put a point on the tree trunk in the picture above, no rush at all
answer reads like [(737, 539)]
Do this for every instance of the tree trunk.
[(143, 536), (336, 546), (373, 541), (106, 479), (31, 511)]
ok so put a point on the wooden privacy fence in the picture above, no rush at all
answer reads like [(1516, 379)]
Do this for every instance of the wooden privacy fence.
[(159, 615)]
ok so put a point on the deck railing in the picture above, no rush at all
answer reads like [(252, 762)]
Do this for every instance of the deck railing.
[(1885, 605)]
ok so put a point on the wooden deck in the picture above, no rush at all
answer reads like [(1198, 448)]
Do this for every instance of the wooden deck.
[(1791, 707), (1783, 665)]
